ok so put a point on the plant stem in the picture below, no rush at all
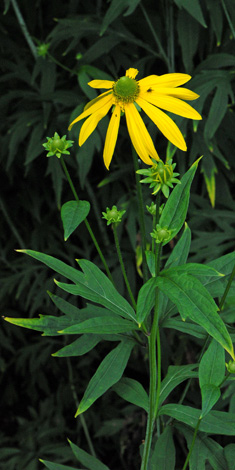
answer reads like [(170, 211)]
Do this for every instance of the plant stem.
[(192, 445), (141, 214), (122, 265), (86, 221), (228, 18), (24, 29)]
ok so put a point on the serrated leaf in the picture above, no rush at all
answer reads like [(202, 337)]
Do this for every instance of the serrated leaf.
[(72, 214), (108, 373), (90, 462), (131, 390)]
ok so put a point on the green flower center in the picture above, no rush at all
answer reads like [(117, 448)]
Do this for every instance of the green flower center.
[(126, 90), (57, 144)]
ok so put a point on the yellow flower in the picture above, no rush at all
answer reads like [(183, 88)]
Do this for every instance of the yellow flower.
[(126, 95)]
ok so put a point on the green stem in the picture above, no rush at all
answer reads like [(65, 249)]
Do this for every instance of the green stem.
[(82, 419), (228, 18), (86, 221), (24, 29), (141, 215), (122, 265), (192, 445), (57, 62), (153, 31)]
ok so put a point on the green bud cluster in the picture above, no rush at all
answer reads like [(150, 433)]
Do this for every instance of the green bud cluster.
[(42, 49), (231, 367), (57, 146), (161, 177), (161, 234), (113, 216)]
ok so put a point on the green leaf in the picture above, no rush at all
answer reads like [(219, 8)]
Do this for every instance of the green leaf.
[(79, 347), (163, 456), (145, 300), (90, 462), (46, 323), (195, 269), (229, 452), (194, 301), (72, 214), (193, 7), (92, 284), (188, 34), (108, 373), (186, 327), (175, 376), (112, 324), (212, 365), (132, 391), (57, 466), (210, 396), (217, 111), (175, 210), (179, 254), (115, 10), (209, 170), (215, 422)]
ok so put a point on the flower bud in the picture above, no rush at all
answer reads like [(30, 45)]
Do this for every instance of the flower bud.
[(113, 216), (57, 146), (231, 367), (161, 234)]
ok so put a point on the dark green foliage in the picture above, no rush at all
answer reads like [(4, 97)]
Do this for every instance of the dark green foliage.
[(41, 94)]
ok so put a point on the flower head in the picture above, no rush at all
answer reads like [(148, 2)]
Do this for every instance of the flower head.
[(113, 216), (127, 95), (161, 234), (161, 176), (57, 146)]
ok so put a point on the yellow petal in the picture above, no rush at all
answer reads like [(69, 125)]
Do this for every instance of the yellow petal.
[(182, 93), (139, 135), (171, 104), (100, 101), (164, 123), (166, 80), (91, 122), (111, 136), (131, 73), (101, 83)]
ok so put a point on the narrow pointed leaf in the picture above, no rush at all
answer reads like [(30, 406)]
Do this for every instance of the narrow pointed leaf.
[(79, 347), (145, 301), (108, 373), (175, 376), (112, 324), (210, 396), (163, 456), (90, 462), (57, 466)]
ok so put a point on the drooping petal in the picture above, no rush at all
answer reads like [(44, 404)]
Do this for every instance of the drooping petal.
[(171, 104), (111, 136), (166, 80), (182, 93), (101, 83), (97, 105), (91, 122), (139, 135), (165, 124)]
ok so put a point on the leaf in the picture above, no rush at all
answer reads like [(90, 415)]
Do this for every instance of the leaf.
[(195, 269), (215, 422), (209, 170), (56, 466), (210, 396), (46, 323), (179, 254), (131, 390), (92, 284), (79, 347), (72, 214), (112, 324), (193, 7), (175, 210), (175, 376), (217, 111), (188, 34), (193, 300), (186, 327), (115, 10), (163, 456), (108, 373), (212, 365), (92, 463), (145, 300), (229, 452)]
